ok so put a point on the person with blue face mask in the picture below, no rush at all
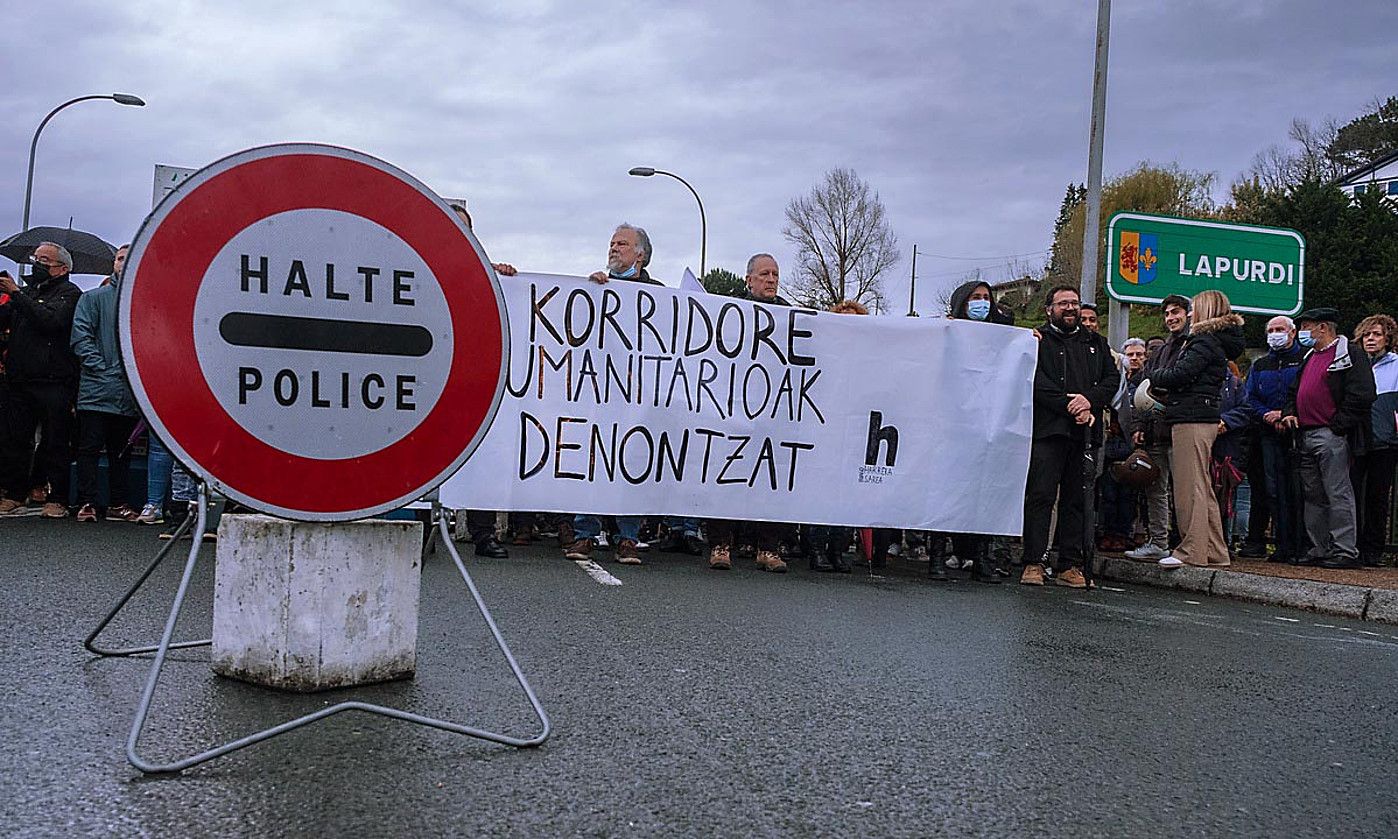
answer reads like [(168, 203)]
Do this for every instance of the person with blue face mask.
[(969, 301), (1329, 406), (1264, 396), (627, 256)]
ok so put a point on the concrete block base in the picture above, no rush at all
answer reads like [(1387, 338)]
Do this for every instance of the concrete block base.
[(306, 607)]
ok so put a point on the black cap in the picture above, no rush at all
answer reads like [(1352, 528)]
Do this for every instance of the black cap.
[(1320, 314), (1089, 305), (1180, 299)]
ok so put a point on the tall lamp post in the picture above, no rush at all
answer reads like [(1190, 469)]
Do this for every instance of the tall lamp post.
[(119, 98), (646, 172)]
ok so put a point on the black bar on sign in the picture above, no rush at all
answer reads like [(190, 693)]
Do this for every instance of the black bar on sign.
[(289, 332)]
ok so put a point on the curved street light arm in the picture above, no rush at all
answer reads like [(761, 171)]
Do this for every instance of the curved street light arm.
[(34, 145), (703, 222)]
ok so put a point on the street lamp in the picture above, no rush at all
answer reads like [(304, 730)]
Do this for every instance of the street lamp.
[(119, 98), (646, 172)]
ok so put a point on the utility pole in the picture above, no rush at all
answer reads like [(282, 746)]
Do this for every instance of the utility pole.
[(1092, 222), (912, 288)]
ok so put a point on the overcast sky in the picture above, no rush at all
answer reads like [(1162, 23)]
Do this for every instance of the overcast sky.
[(968, 118)]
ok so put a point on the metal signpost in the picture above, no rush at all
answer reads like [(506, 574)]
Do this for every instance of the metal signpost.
[(315, 334), (1149, 257)]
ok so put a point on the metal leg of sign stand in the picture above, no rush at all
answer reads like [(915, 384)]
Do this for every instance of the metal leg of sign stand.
[(143, 707), (90, 642)]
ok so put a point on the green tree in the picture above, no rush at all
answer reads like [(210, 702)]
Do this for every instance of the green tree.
[(1072, 199), (1171, 190), (724, 282), (1351, 247), (1366, 138)]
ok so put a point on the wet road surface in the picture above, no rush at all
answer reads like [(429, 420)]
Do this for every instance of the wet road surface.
[(690, 702)]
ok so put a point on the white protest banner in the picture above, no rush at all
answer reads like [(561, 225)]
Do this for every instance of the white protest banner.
[(627, 398)]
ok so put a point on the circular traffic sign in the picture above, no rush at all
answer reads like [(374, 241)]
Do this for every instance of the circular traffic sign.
[(313, 332)]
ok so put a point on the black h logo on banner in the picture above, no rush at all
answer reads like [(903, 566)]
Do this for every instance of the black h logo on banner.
[(879, 433)]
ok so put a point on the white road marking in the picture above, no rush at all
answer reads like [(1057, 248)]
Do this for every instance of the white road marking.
[(1288, 620), (597, 572), (1109, 588), (1193, 602)]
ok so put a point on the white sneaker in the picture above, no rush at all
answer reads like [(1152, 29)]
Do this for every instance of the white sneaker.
[(151, 514), (1148, 551), (953, 562), (1169, 562), (601, 541)]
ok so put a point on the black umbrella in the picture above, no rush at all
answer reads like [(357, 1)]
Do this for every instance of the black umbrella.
[(91, 255)]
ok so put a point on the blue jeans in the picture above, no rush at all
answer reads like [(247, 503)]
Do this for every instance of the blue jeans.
[(159, 462), (1242, 511), (586, 527), (684, 524), (183, 486)]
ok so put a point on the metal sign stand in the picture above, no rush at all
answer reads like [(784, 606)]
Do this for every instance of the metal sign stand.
[(166, 644), (90, 642)]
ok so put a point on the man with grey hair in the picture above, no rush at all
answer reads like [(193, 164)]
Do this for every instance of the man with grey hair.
[(42, 374), (763, 277), (627, 257)]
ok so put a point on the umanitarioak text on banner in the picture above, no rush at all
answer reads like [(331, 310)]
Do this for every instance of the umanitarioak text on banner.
[(627, 398)]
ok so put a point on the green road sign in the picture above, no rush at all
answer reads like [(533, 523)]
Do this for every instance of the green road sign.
[(1149, 257)]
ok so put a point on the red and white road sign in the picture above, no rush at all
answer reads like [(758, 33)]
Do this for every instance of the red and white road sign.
[(313, 332)]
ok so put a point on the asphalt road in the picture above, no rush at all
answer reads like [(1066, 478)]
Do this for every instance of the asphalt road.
[(695, 703)]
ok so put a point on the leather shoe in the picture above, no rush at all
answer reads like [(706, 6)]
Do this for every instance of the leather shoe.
[(1339, 563), (492, 549)]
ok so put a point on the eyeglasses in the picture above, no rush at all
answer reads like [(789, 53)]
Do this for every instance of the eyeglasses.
[(1068, 304), (44, 260)]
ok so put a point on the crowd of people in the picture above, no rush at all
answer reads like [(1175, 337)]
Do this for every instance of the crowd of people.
[(1162, 449)]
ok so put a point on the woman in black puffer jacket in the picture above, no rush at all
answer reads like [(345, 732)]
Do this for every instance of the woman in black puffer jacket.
[(1189, 390)]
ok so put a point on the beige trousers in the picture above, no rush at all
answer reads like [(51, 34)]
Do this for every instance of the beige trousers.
[(1196, 507)]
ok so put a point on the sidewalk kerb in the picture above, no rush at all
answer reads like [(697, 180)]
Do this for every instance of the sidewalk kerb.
[(1361, 602)]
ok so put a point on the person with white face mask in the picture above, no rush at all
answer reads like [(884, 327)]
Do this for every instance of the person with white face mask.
[(1265, 393)]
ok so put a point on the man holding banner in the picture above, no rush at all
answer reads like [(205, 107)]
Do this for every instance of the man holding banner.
[(1073, 383), (627, 257), (763, 277)]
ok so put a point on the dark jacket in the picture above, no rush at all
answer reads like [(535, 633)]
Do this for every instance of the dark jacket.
[(1385, 410), (1190, 385), (775, 301), (1270, 381), (642, 276), (1075, 362), (40, 318), (1156, 431), (102, 384), (956, 306), (1351, 383), (1234, 414)]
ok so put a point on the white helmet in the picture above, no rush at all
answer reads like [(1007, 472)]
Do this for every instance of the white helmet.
[(1145, 402)]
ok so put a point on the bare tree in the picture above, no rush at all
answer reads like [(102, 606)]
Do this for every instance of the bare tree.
[(1277, 168), (843, 242)]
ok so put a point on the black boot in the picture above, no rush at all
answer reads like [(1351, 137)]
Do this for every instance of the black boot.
[(982, 569), (819, 561), (937, 557), (839, 560), (488, 546)]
